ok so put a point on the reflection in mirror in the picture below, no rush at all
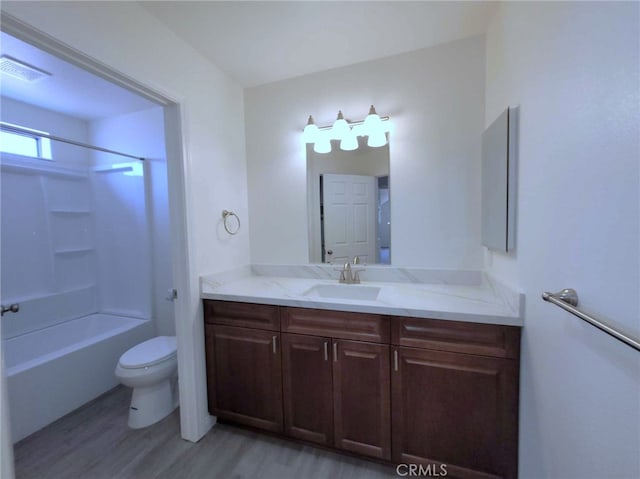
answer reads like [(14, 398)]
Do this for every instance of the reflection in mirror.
[(348, 203)]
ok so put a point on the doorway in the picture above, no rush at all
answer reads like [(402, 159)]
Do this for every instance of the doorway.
[(180, 260)]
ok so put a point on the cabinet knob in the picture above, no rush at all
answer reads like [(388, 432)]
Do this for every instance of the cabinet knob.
[(273, 343), (326, 350)]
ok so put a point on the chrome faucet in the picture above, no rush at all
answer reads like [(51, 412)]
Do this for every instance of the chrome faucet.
[(349, 275)]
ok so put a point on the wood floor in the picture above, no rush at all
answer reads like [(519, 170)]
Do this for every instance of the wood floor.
[(94, 442)]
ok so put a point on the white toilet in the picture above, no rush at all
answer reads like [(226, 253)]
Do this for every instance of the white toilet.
[(151, 369)]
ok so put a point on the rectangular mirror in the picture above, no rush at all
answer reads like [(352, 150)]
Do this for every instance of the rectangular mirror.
[(349, 205), (499, 149)]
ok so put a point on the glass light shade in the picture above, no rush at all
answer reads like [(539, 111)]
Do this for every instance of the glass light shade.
[(372, 123), (349, 143), (310, 134), (377, 139), (340, 129), (323, 142), (358, 130)]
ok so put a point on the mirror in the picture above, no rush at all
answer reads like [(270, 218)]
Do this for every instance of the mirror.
[(349, 204), (499, 148)]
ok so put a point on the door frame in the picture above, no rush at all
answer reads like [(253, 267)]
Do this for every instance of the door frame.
[(194, 423)]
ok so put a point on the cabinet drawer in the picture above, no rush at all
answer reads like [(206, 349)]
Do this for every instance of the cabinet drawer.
[(457, 336), (336, 324), (248, 315)]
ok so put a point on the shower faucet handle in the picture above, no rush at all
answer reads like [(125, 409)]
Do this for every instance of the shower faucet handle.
[(12, 308)]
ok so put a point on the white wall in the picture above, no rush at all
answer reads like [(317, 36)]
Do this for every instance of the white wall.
[(142, 134), (54, 123), (130, 40), (435, 98), (574, 70)]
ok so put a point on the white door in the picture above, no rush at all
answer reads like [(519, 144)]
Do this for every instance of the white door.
[(349, 217)]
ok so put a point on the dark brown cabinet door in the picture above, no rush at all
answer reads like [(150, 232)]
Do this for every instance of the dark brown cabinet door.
[(361, 398), (246, 385), (308, 404), (455, 409)]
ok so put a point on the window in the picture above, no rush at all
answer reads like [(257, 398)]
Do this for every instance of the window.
[(25, 144)]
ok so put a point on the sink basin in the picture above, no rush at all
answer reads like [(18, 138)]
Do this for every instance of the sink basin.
[(344, 291)]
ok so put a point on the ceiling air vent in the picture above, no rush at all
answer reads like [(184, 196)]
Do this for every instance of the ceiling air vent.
[(12, 67)]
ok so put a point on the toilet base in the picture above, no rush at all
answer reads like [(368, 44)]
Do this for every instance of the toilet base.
[(152, 404)]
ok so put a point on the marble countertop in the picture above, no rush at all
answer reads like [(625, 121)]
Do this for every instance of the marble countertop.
[(473, 297)]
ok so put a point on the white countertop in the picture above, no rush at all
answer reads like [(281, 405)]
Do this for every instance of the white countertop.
[(481, 300)]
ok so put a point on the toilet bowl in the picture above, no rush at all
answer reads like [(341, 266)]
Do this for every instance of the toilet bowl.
[(151, 369)]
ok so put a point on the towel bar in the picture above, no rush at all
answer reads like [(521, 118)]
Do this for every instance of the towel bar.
[(567, 299)]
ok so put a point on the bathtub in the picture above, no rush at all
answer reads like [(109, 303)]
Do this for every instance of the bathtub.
[(52, 371)]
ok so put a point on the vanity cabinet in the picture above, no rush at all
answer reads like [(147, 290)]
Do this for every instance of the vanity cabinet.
[(361, 398), (455, 396), (336, 379), (408, 390), (307, 375), (244, 373)]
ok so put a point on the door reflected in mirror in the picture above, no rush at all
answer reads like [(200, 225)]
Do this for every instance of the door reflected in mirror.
[(349, 205)]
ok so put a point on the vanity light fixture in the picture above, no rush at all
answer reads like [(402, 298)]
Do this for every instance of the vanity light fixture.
[(340, 129), (349, 142), (372, 123), (373, 126), (323, 142), (347, 132), (377, 139), (310, 133)]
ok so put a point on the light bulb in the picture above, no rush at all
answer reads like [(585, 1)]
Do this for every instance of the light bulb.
[(349, 143), (323, 142), (377, 139), (372, 123), (310, 133), (358, 130), (340, 129)]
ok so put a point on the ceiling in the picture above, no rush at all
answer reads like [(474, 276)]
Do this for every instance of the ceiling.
[(255, 43), (69, 90), (263, 42)]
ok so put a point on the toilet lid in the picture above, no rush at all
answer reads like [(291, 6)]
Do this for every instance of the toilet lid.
[(149, 353)]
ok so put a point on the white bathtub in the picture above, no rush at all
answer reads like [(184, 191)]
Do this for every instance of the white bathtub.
[(55, 370)]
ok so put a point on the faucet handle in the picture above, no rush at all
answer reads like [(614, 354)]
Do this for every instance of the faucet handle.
[(342, 269), (356, 274)]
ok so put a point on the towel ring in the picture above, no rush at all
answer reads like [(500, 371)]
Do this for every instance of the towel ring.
[(225, 218)]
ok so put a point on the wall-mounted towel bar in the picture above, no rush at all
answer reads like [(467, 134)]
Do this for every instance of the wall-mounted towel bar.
[(567, 299)]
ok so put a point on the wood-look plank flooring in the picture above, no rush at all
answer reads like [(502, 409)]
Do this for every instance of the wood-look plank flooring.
[(94, 442)]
